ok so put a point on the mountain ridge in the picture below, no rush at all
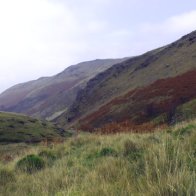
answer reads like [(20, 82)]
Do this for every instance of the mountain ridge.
[(168, 61), (73, 97), (49, 95)]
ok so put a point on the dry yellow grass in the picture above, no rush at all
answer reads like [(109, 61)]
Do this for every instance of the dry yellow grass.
[(161, 163)]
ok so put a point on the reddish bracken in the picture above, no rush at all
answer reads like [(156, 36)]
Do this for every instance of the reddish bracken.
[(139, 106)]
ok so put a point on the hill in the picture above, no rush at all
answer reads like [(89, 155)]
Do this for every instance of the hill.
[(15, 128), (48, 97), (160, 163), (138, 90)]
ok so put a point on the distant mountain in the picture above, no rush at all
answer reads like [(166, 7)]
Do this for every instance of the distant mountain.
[(20, 128), (48, 97), (154, 87)]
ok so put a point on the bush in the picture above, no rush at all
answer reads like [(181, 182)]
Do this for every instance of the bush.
[(132, 150), (6, 176), (108, 152), (30, 164)]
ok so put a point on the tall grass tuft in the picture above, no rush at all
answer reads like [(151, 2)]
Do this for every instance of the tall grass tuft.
[(30, 163)]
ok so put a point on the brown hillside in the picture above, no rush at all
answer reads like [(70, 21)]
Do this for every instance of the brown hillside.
[(139, 72), (142, 105)]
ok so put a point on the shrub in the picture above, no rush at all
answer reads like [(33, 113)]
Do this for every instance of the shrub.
[(6, 176), (30, 164), (108, 152), (132, 150)]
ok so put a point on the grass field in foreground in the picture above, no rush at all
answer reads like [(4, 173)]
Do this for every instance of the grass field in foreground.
[(161, 163)]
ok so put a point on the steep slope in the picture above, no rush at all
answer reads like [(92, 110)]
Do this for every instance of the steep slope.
[(164, 101), (167, 62), (20, 128), (48, 97)]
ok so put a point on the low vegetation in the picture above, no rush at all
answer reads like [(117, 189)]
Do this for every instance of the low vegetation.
[(30, 164), (20, 128), (159, 163)]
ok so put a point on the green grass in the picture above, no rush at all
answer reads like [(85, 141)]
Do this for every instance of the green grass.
[(160, 163), (186, 111), (20, 128), (30, 164)]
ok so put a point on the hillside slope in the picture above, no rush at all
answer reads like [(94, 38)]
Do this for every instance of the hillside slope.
[(131, 75), (162, 102), (47, 97), (19, 128)]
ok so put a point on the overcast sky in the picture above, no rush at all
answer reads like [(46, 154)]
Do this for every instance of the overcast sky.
[(43, 37)]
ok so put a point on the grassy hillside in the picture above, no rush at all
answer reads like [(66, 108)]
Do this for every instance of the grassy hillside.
[(159, 164), (139, 72), (20, 128), (161, 100), (48, 97)]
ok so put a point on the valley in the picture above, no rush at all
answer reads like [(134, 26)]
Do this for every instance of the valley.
[(105, 127)]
